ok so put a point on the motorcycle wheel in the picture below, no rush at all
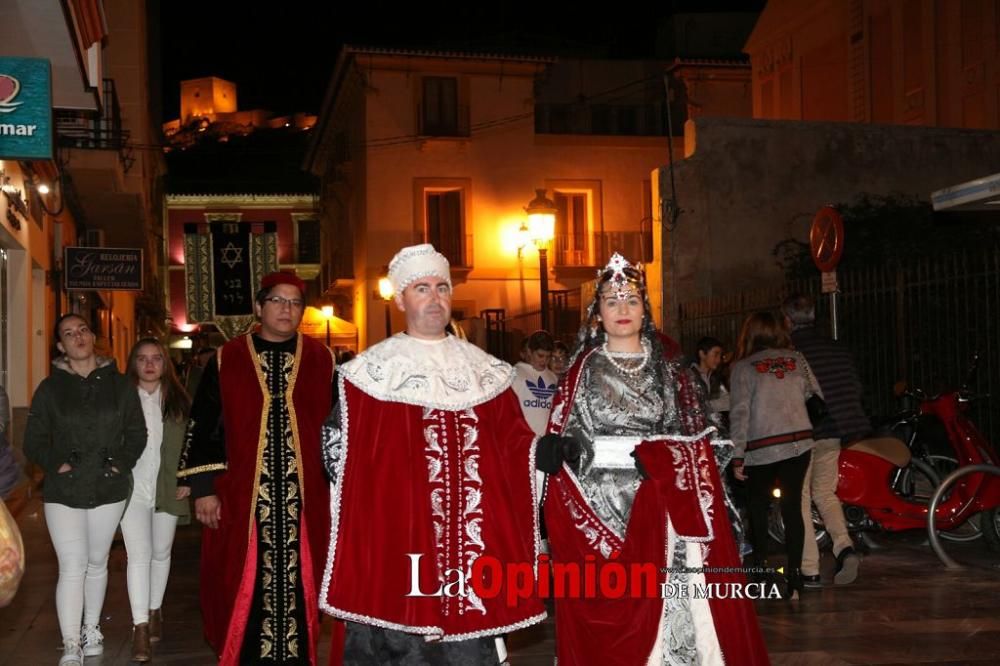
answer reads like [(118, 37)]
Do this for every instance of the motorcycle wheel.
[(918, 482), (942, 465), (776, 526), (989, 522)]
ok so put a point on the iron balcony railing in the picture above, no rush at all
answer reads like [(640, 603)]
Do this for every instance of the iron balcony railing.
[(595, 249), (100, 130)]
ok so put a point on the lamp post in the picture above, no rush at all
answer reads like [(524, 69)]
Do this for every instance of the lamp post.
[(328, 315), (541, 229), (385, 291)]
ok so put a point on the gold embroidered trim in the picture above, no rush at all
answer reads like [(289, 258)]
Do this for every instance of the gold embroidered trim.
[(262, 494), (262, 431), (290, 404), (284, 579), (214, 467)]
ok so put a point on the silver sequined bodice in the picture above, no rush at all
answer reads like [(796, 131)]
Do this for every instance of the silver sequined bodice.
[(610, 402)]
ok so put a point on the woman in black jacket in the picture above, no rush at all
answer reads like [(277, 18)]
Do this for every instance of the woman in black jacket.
[(86, 431)]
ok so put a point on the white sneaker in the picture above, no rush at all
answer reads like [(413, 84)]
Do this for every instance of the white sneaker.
[(72, 653), (93, 641)]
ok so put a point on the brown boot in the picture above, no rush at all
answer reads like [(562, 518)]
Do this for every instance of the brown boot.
[(141, 651), (155, 625)]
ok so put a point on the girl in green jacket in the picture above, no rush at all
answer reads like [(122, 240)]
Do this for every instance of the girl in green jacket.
[(86, 431), (157, 503)]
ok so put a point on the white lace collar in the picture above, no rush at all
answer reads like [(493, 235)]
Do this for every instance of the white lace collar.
[(442, 374)]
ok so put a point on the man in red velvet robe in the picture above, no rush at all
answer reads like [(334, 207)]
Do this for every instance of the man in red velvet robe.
[(252, 458), (433, 467)]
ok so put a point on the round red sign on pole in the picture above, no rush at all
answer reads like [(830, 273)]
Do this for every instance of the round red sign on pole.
[(826, 238)]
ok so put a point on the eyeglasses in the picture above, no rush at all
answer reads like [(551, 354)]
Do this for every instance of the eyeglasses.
[(293, 303)]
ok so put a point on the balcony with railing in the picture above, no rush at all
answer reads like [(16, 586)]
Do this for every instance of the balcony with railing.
[(593, 250), (101, 130), (113, 201)]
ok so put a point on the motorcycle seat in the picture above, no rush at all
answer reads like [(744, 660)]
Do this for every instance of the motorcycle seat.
[(888, 448)]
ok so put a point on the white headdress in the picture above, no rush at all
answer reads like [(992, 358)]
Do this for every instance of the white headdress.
[(415, 262)]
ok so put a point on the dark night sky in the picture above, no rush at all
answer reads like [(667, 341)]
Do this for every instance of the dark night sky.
[(280, 54)]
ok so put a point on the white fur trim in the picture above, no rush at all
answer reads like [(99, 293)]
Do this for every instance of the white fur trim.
[(434, 632), (449, 374)]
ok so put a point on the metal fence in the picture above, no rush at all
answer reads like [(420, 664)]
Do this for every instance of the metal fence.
[(505, 333), (919, 321)]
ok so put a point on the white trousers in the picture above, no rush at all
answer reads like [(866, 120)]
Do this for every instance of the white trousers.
[(149, 536), (82, 539)]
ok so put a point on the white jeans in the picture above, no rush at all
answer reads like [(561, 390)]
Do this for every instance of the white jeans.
[(82, 539), (149, 536)]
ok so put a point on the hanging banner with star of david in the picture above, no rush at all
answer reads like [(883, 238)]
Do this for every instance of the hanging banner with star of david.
[(223, 269), (234, 285)]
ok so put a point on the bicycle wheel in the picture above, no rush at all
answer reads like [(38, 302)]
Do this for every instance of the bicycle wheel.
[(989, 522), (776, 526), (918, 482)]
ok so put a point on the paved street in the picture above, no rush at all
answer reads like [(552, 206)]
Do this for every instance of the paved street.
[(906, 609)]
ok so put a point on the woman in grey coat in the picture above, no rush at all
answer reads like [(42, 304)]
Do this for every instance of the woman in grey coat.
[(771, 431)]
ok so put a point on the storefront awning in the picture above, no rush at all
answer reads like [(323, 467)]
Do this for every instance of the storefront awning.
[(982, 194), (342, 332)]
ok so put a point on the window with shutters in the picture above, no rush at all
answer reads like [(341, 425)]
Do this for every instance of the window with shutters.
[(307, 241), (442, 112), (573, 229), (441, 212)]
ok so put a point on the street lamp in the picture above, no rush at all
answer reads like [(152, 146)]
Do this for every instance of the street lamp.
[(541, 229), (385, 291), (327, 311)]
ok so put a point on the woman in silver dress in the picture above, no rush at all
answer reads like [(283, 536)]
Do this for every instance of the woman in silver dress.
[(634, 480)]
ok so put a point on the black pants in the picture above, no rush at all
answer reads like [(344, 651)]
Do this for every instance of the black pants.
[(790, 473), (365, 645)]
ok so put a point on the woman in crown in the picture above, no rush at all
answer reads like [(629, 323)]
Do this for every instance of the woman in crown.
[(633, 468)]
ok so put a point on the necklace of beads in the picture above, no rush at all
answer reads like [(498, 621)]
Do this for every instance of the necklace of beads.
[(633, 371)]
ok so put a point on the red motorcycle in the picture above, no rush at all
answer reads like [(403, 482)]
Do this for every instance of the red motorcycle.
[(886, 483)]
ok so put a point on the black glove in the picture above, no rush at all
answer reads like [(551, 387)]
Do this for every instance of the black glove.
[(552, 450), (639, 467)]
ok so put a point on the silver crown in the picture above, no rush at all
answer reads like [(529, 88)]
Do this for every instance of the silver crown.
[(617, 266)]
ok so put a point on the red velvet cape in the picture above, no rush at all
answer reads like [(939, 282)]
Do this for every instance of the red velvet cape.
[(622, 632), (383, 510), (229, 553)]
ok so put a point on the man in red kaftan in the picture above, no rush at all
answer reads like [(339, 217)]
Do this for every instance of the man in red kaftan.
[(432, 467)]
